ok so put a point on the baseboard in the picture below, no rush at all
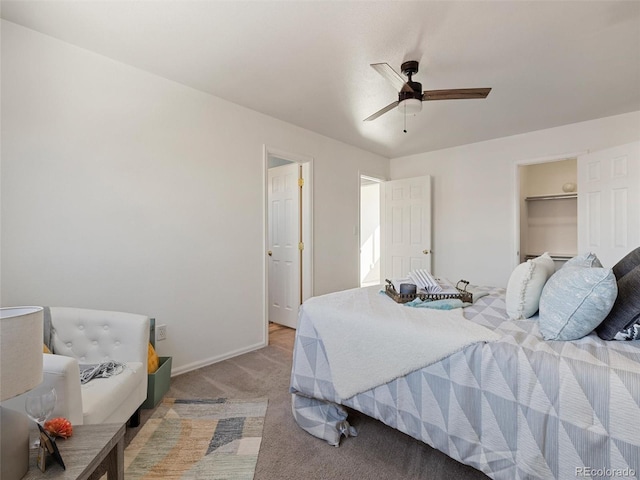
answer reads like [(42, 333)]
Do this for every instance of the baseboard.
[(211, 360)]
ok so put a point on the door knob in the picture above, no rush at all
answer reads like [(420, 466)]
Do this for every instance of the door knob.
[(426, 252), (269, 253)]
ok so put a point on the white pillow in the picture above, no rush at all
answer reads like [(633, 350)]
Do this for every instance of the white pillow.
[(547, 262), (525, 286)]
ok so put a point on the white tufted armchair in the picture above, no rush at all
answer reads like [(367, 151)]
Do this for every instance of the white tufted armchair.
[(81, 336)]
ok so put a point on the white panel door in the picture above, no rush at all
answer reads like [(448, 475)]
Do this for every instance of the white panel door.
[(284, 235), (407, 226), (609, 202)]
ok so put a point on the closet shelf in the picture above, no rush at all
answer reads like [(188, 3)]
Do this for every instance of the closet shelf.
[(555, 196), (555, 256)]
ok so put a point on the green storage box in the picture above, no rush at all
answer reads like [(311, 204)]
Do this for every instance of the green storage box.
[(158, 383)]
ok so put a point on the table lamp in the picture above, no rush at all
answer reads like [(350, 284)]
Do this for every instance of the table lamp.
[(20, 370)]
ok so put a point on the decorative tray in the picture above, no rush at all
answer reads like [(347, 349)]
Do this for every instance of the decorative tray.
[(461, 286)]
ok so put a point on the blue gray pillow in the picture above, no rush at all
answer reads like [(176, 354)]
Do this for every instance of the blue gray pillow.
[(575, 300), (588, 260), (626, 309)]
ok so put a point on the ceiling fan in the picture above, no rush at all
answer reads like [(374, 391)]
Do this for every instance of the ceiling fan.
[(411, 96)]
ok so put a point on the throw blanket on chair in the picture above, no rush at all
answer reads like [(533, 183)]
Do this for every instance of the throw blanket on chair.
[(101, 370), (370, 339)]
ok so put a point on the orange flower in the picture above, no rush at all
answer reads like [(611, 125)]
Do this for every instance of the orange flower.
[(59, 427)]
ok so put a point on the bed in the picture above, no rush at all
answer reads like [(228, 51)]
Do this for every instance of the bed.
[(510, 404)]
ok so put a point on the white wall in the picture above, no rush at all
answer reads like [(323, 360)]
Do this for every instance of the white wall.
[(124, 191), (474, 192)]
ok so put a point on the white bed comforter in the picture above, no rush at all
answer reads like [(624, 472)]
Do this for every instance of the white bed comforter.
[(370, 339)]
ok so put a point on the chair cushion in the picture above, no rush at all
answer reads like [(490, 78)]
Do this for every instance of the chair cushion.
[(102, 396)]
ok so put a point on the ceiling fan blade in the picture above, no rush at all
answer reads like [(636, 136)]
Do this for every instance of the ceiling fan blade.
[(382, 111), (393, 77), (455, 93)]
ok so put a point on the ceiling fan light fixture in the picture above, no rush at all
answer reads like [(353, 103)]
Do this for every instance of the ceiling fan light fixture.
[(410, 106), (411, 95)]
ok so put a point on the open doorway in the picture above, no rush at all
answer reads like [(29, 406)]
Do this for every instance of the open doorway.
[(370, 251)]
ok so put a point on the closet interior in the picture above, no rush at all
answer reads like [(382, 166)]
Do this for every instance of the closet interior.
[(549, 210)]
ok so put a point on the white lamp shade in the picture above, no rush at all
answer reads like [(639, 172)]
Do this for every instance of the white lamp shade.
[(21, 332), (410, 106)]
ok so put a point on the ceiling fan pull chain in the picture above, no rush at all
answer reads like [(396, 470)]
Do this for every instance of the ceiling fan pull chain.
[(405, 118)]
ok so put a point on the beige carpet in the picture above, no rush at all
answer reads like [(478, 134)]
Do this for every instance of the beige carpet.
[(287, 452)]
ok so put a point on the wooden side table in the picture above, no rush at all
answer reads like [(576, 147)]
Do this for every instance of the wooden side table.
[(89, 447)]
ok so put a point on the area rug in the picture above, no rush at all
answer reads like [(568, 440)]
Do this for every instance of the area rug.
[(198, 439)]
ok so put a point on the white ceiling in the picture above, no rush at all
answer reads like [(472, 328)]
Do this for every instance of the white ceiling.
[(549, 63)]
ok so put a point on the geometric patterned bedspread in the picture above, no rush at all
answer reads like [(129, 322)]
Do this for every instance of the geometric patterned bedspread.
[(517, 408)]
